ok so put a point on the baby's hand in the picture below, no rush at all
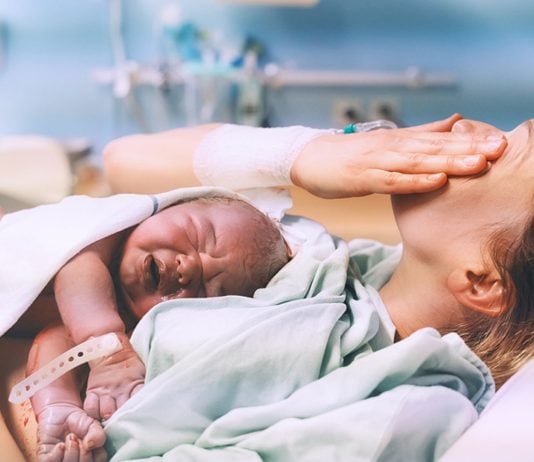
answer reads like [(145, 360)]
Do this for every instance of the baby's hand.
[(66, 433), (113, 380)]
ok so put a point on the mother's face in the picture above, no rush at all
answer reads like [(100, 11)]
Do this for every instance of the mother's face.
[(468, 209)]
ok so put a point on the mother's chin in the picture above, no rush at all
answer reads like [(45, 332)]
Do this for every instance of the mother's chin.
[(416, 210)]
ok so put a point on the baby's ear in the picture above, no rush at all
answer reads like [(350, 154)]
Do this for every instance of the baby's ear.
[(278, 225), (479, 290), (289, 250)]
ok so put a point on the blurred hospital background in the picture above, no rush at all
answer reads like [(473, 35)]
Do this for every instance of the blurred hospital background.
[(76, 74)]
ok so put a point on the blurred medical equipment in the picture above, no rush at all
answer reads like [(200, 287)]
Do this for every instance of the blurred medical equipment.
[(273, 2), (222, 77), (123, 68)]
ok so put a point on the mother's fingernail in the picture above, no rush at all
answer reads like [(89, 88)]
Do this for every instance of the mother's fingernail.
[(435, 176), (495, 141), (471, 161)]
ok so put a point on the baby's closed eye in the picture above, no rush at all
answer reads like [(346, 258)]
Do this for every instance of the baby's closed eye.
[(154, 272)]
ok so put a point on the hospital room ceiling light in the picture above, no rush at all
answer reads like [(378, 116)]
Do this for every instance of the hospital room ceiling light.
[(273, 2)]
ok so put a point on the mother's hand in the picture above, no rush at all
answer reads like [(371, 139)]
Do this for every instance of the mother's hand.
[(400, 161)]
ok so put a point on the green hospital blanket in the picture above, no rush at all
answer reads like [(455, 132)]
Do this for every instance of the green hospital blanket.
[(304, 371)]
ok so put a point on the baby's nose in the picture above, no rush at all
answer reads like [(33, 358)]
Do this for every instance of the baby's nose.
[(185, 269)]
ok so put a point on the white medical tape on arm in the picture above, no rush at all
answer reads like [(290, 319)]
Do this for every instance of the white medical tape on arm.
[(91, 349), (239, 157)]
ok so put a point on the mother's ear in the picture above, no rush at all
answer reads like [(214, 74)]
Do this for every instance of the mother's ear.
[(479, 290)]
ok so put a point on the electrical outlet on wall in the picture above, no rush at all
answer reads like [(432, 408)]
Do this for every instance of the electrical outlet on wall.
[(348, 111), (384, 108)]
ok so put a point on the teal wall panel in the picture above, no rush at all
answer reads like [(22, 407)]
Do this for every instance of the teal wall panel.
[(51, 47)]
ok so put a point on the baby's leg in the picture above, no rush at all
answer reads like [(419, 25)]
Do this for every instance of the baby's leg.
[(65, 431)]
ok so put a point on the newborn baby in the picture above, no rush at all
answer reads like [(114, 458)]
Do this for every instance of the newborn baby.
[(206, 247)]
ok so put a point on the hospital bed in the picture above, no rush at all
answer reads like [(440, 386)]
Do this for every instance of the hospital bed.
[(38, 170), (34, 170), (503, 432)]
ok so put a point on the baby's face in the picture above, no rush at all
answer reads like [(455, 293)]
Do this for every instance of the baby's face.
[(469, 209), (190, 250)]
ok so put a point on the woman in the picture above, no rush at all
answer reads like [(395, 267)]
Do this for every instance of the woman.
[(416, 159), (347, 170), (468, 245)]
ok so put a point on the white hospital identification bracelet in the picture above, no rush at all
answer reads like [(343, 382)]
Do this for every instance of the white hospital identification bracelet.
[(94, 348)]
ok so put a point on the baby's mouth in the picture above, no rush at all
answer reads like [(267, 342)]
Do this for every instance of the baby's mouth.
[(152, 269)]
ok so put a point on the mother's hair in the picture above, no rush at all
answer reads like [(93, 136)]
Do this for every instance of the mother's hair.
[(506, 342)]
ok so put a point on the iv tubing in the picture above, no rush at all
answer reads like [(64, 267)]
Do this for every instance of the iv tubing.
[(366, 126)]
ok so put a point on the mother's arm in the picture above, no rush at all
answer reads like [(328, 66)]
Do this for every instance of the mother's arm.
[(151, 163), (10, 450), (416, 159), (18, 427)]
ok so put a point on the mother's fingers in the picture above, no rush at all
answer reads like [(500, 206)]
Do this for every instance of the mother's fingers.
[(492, 145), (444, 125), (424, 163), (386, 182), (453, 144)]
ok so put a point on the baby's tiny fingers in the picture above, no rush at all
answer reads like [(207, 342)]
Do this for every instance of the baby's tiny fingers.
[(121, 399), (72, 449), (100, 455), (47, 454), (91, 405), (95, 437), (137, 388), (107, 406), (85, 455)]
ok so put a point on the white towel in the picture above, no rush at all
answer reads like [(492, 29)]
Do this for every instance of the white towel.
[(36, 242)]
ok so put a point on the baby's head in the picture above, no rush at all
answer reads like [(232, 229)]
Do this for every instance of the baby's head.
[(206, 247), (475, 237)]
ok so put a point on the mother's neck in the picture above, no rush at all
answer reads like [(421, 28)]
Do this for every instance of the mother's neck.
[(416, 296)]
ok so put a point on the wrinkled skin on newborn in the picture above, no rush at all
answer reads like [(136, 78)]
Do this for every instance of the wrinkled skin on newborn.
[(113, 380), (66, 430), (188, 250)]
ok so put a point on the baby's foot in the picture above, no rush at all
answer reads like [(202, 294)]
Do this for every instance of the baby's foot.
[(66, 432)]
